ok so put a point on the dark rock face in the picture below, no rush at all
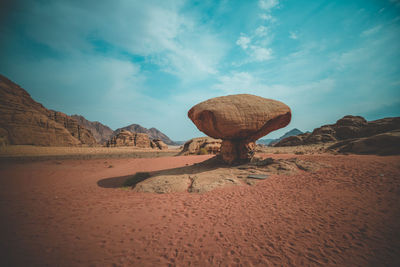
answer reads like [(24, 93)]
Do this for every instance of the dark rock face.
[(381, 144), (153, 133), (100, 131), (24, 121), (349, 127), (296, 140), (271, 142)]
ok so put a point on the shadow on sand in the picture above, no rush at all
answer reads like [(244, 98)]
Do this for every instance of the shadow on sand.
[(207, 165)]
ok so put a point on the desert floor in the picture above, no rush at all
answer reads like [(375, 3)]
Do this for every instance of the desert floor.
[(59, 213), (40, 153)]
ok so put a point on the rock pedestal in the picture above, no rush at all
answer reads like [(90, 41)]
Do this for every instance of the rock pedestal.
[(237, 151)]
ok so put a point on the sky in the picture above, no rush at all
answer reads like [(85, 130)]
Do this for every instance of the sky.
[(148, 62)]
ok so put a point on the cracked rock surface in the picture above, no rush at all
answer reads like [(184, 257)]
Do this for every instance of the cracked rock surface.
[(212, 174)]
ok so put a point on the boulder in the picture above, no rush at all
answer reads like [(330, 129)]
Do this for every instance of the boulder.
[(195, 146), (239, 120)]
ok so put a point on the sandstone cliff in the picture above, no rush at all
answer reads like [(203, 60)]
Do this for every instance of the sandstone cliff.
[(100, 131), (24, 121)]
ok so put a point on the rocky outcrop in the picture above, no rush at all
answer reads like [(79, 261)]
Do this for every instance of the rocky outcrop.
[(24, 121), (296, 140), (157, 143), (211, 174), (103, 133), (127, 138), (140, 140), (380, 144), (156, 134), (271, 142), (205, 145), (100, 131), (153, 133), (348, 127), (76, 130), (239, 120)]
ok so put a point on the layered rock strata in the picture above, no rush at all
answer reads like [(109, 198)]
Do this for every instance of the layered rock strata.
[(24, 121), (348, 127)]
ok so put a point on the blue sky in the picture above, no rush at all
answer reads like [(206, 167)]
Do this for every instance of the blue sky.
[(148, 62)]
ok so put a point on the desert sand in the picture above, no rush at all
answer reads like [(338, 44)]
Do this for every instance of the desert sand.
[(61, 213), (37, 153)]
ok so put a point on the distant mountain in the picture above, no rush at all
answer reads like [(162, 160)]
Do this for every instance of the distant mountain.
[(179, 143), (270, 142), (100, 131), (152, 132), (23, 121), (265, 141)]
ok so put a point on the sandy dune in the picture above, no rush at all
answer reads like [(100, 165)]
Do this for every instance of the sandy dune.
[(57, 213)]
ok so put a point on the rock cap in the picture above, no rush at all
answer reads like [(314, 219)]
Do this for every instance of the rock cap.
[(242, 116)]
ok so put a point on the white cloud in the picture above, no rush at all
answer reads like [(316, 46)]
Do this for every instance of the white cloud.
[(267, 17), (261, 53), (258, 51), (157, 30), (371, 31), (293, 35), (236, 82), (261, 31), (268, 4), (243, 42), (246, 82)]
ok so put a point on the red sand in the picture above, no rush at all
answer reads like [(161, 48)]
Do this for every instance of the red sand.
[(55, 213)]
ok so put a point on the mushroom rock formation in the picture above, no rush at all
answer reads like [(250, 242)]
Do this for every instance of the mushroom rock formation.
[(239, 120)]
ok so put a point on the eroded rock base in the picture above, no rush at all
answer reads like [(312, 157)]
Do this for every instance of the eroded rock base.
[(213, 173), (237, 151)]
